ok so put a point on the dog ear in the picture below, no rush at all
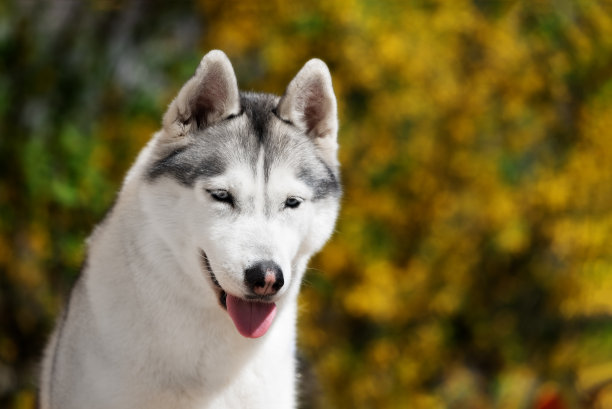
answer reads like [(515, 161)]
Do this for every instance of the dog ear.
[(310, 104), (208, 97)]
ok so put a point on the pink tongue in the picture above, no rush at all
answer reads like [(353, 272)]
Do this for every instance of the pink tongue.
[(251, 318)]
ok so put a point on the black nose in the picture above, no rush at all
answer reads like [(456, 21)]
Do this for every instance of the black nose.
[(264, 278)]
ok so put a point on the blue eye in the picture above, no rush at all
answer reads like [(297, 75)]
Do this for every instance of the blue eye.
[(221, 195), (293, 202)]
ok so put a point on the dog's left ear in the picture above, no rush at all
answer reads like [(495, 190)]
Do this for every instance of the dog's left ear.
[(309, 103)]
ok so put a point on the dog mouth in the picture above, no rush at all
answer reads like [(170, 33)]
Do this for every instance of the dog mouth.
[(252, 315), (221, 294)]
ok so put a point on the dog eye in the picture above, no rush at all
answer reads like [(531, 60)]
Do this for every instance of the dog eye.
[(221, 195), (293, 202)]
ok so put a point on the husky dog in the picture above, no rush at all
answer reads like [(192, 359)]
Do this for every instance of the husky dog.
[(188, 296)]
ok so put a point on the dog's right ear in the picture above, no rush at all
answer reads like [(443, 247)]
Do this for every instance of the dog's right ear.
[(209, 96)]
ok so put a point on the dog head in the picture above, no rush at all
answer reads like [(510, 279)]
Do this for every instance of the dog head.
[(249, 182)]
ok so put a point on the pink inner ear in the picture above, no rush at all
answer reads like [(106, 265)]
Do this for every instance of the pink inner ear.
[(309, 102), (316, 106), (212, 97)]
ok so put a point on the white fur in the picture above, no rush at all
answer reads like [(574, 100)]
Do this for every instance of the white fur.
[(143, 327)]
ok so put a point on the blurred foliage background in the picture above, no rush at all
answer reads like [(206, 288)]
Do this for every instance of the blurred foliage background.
[(471, 263)]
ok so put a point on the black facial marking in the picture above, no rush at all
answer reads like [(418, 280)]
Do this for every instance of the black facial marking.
[(324, 184), (258, 107), (185, 166)]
